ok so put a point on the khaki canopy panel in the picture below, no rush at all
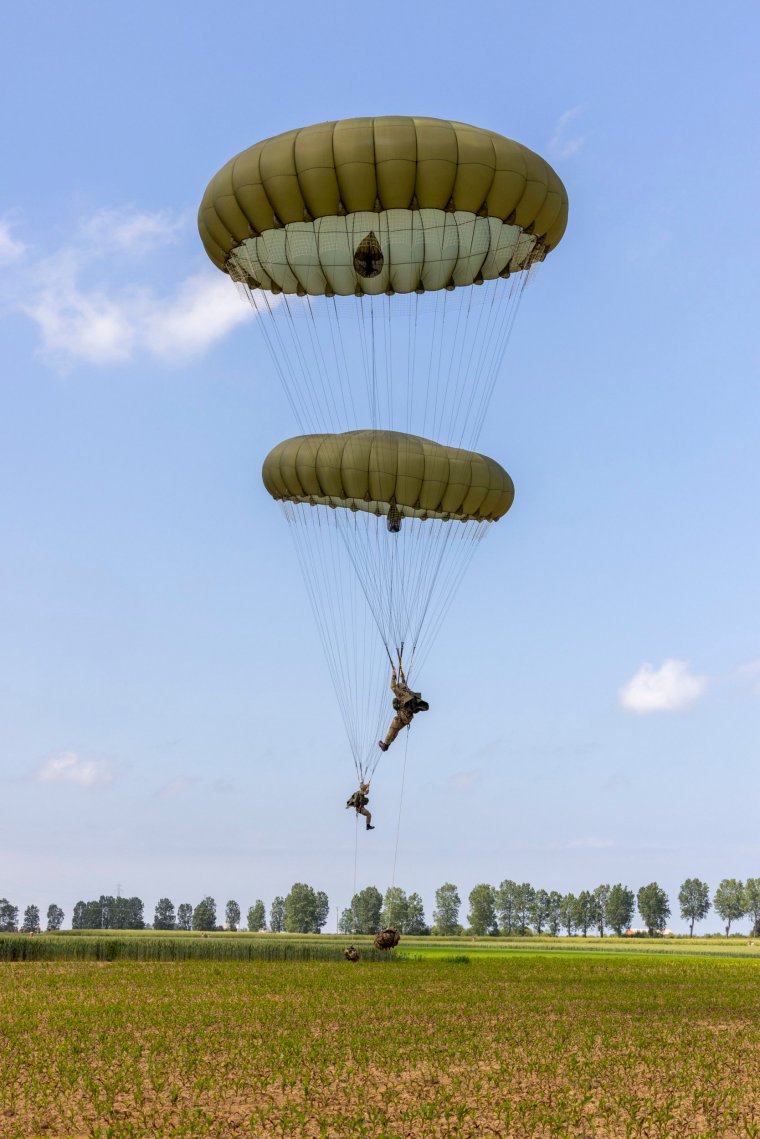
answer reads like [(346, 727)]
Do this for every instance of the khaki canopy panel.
[(381, 471), (381, 205)]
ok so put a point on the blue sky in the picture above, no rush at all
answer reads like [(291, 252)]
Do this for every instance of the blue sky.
[(167, 720)]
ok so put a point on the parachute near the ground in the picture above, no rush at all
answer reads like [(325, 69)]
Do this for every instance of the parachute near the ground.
[(386, 258), (387, 938)]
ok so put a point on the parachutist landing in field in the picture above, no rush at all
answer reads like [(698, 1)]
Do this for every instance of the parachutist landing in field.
[(406, 705), (359, 801)]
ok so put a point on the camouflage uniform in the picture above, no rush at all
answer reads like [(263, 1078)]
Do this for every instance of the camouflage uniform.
[(406, 704), (359, 801)]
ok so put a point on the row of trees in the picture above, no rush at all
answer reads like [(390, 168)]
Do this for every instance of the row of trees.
[(31, 920), (370, 911), (109, 912), (303, 910), (511, 909), (517, 908)]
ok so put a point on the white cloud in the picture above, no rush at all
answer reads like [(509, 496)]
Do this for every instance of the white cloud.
[(80, 326), (666, 689), (133, 232), (94, 301), (563, 144), (68, 767), (10, 247), (204, 309), (102, 328)]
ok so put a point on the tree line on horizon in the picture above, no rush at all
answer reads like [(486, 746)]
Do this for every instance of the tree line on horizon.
[(510, 910)]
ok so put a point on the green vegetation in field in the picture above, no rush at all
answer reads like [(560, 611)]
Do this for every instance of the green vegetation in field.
[(177, 947), (513, 1046), (172, 945)]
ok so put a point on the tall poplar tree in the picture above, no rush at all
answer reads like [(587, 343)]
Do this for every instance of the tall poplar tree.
[(654, 907), (694, 900), (446, 912)]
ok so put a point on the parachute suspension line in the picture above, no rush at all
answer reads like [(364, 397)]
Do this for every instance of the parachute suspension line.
[(436, 306), (448, 592), (342, 610), (403, 583), (506, 302), (389, 563), (427, 577), (294, 353), (400, 807), (331, 366), (304, 549), (385, 385), (375, 393), (468, 374), (438, 350), (430, 361), (310, 375), (267, 326), (452, 359), (419, 568), (342, 362), (487, 364), (344, 624), (362, 336), (411, 356), (408, 579), (329, 392), (426, 557), (375, 699), (452, 354), (516, 293), (378, 568), (361, 563), (519, 289), (356, 852), (480, 326)]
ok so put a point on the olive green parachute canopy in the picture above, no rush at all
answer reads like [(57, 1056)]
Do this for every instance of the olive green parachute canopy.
[(387, 938), (381, 205), (388, 471)]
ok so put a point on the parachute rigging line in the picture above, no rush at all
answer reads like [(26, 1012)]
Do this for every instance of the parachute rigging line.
[(397, 596), (430, 362), (356, 852), (400, 806)]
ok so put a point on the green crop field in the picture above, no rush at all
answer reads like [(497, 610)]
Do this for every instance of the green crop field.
[(509, 1044), (151, 945)]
